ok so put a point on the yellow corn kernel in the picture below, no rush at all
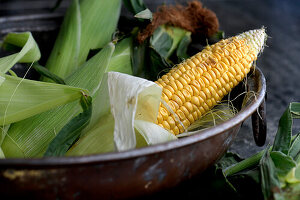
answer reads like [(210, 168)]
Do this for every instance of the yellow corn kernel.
[(196, 85)]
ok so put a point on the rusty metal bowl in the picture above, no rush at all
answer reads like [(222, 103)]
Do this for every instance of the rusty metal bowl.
[(131, 173)]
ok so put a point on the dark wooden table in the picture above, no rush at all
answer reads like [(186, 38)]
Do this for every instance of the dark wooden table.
[(280, 61)]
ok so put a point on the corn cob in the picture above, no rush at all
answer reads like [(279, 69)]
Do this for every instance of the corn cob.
[(193, 87)]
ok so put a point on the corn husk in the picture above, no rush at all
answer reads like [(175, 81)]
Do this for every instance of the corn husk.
[(28, 54), (120, 62), (30, 137), (63, 59), (121, 58), (22, 98), (166, 39), (87, 25), (99, 139), (134, 117)]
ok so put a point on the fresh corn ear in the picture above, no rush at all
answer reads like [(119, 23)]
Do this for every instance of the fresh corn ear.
[(186, 93), (193, 87)]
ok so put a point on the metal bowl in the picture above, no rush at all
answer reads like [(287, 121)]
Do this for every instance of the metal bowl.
[(131, 173)]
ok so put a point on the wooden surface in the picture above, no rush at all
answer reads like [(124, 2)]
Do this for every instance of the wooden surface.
[(280, 61)]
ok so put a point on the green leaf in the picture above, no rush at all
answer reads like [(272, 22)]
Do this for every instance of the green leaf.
[(217, 37), (46, 73), (282, 162), (161, 41), (228, 160), (121, 58), (71, 131), (294, 151), (23, 98), (138, 59), (99, 21), (120, 62), (295, 110), (152, 133), (30, 137), (99, 139), (133, 102), (177, 34), (28, 54), (64, 57), (157, 65), (254, 174), (284, 133), (244, 164), (12, 73), (134, 6), (147, 62), (3, 130), (168, 39), (145, 14), (83, 30), (181, 51), (269, 180)]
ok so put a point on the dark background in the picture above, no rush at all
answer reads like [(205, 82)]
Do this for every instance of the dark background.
[(280, 61)]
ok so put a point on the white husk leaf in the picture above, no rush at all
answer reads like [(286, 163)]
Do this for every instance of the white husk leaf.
[(124, 118), (152, 133), (124, 93)]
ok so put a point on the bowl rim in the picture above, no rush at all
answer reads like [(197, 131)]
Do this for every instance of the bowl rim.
[(144, 151)]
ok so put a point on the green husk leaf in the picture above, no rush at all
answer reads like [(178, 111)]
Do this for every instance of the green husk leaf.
[(216, 37), (144, 14), (284, 132), (46, 73), (64, 57), (127, 88), (283, 136), (22, 98), (82, 30), (228, 160), (30, 137), (177, 34), (269, 180), (295, 110), (161, 41), (127, 99), (99, 20), (157, 64), (99, 139), (181, 51), (29, 53), (166, 39), (121, 58), (1, 153), (294, 151), (244, 164), (282, 162), (293, 176), (71, 131), (3, 130), (147, 62), (152, 133), (12, 73), (120, 62), (138, 60)]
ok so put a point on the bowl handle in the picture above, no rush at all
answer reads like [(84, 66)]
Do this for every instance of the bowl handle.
[(259, 124)]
